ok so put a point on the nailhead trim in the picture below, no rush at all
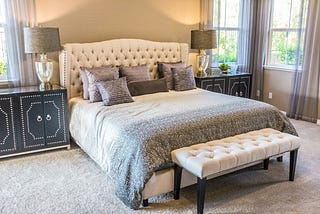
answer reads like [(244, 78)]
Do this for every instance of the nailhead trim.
[(7, 126), (27, 118)]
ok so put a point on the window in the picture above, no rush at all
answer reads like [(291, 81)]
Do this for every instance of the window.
[(226, 23), (286, 33), (3, 52)]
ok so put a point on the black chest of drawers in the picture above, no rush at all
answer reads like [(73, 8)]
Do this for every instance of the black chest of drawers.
[(33, 120), (235, 84)]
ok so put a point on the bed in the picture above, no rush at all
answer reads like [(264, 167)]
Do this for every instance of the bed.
[(132, 142)]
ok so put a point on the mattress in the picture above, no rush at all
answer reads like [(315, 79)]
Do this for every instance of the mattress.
[(131, 141)]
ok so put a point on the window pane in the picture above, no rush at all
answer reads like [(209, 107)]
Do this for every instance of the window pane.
[(288, 27), (226, 13), (232, 13), (281, 13), (296, 13), (278, 48), (2, 21), (219, 13), (3, 52), (284, 47), (226, 22), (227, 47)]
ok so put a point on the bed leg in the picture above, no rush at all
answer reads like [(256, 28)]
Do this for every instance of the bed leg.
[(280, 159), (145, 203), (177, 181), (266, 164)]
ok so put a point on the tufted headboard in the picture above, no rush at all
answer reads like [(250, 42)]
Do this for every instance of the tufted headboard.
[(127, 52)]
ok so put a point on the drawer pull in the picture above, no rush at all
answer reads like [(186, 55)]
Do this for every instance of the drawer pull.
[(48, 117), (39, 118)]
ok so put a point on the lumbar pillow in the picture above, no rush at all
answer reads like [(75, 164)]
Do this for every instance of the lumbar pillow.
[(167, 72), (135, 73), (114, 92), (183, 78), (85, 81), (137, 88), (98, 75)]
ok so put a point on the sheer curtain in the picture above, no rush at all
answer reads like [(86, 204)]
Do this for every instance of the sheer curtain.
[(305, 93), (18, 14), (253, 34), (254, 20), (206, 14), (246, 27)]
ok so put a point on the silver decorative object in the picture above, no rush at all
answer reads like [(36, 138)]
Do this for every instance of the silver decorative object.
[(203, 40), (41, 40)]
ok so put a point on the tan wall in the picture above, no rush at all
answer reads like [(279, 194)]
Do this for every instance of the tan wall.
[(99, 20), (280, 84)]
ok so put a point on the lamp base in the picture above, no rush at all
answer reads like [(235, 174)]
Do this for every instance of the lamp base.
[(45, 86), (201, 74), (202, 63), (44, 70)]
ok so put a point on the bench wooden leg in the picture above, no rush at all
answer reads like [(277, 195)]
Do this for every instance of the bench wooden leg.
[(177, 181), (266, 164), (293, 162), (280, 159), (145, 203), (201, 193)]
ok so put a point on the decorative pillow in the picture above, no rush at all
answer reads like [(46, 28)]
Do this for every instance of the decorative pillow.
[(84, 78), (135, 73), (137, 88), (160, 70), (98, 75), (114, 92), (167, 72), (183, 78)]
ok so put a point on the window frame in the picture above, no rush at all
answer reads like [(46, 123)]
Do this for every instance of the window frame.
[(3, 79), (284, 67), (225, 29)]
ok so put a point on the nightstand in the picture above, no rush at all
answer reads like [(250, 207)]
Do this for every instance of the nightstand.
[(33, 120), (236, 84)]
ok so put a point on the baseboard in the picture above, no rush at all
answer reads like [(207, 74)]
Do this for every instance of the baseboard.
[(285, 113)]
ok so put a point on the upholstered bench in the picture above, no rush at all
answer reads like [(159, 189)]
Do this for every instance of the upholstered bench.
[(230, 154)]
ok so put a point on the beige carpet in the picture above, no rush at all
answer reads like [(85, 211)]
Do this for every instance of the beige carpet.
[(69, 182)]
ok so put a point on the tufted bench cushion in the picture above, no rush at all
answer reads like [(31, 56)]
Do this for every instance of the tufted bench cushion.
[(209, 158), (221, 155)]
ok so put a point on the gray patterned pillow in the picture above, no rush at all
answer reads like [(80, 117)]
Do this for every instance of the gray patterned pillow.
[(183, 78), (137, 88), (135, 73), (114, 92), (160, 70), (167, 72), (98, 75), (84, 78)]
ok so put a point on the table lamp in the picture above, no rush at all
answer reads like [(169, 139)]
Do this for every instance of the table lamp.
[(41, 40), (203, 40)]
